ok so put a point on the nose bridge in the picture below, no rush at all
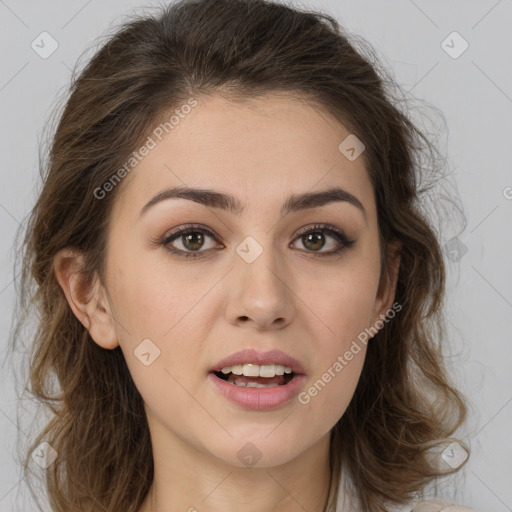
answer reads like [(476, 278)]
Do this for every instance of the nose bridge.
[(259, 264), (261, 292)]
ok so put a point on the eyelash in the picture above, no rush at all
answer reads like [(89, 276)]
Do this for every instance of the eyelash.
[(336, 233)]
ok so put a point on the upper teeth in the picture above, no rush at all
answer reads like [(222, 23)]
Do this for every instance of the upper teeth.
[(255, 370)]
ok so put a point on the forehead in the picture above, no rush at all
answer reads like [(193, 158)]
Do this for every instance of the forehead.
[(268, 147)]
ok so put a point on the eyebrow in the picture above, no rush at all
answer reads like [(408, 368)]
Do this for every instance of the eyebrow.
[(293, 203)]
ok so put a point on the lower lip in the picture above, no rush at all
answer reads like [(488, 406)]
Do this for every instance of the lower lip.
[(259, 399)]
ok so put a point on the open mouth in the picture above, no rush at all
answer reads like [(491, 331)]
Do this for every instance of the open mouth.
[(244, 383), (256, 382)]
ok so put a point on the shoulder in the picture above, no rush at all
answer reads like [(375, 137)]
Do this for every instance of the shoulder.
[(348, 502), (431, 505), (436, 505)]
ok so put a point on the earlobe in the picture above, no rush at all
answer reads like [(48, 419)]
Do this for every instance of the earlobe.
[(86, 297)]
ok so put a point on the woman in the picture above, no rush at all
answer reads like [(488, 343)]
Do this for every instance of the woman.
[(238, 292)]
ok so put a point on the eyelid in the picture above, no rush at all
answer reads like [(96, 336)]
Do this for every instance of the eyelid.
[(323, 227), (181, 230), (185, 229), (336, 233)]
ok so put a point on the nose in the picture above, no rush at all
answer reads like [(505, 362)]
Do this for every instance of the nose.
[(259, 293)]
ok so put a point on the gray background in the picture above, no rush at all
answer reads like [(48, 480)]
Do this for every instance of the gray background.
[(473, 91)]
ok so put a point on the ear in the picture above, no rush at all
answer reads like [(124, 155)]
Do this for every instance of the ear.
[(86, 297), (387, 286)]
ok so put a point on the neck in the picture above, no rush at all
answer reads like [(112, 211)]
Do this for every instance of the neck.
[(186, 479)]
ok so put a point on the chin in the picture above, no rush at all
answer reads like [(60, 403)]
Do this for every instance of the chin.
[(260, 450)]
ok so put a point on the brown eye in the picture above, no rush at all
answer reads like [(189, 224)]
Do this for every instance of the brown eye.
[(190, 241), (318, 237), (314, 241), (193, 241)]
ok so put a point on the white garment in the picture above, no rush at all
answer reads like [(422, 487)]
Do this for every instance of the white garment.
[(348, 502)]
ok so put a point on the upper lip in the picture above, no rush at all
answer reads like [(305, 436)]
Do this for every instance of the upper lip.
[(251, 356)]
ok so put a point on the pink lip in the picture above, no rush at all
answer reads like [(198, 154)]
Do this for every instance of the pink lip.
[(248, 356), (258, 398)]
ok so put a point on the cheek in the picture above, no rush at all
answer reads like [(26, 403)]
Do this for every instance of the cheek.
[(342, 293), (152, 301), (343, 305), (168, 307), (162, 314), (329, 392)]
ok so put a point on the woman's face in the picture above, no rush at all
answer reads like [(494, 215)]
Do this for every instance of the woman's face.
[(252, 280)]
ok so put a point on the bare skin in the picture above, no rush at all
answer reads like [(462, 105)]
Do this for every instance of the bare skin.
[(197, 310)]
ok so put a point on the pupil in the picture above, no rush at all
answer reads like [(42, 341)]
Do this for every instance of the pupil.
[(196, 239), (318, 244)]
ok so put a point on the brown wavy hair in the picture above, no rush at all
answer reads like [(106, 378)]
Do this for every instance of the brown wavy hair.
[(404, 405)]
